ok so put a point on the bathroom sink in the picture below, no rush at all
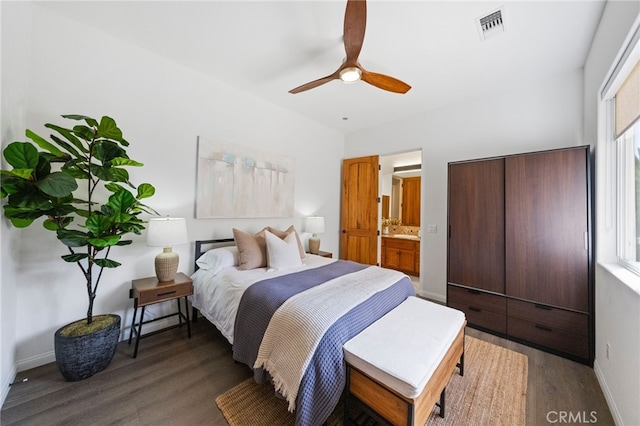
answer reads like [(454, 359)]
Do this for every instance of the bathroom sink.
[(406, 236)]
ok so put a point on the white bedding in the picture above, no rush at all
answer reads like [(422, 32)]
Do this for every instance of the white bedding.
[(217, 296)]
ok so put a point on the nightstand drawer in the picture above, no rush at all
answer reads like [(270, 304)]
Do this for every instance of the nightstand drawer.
[(147, 291), (161, 293)]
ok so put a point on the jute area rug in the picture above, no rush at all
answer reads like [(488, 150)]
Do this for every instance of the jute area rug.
[(491, 392)]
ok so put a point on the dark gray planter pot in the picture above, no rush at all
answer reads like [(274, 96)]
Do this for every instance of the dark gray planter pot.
[(83, 356)]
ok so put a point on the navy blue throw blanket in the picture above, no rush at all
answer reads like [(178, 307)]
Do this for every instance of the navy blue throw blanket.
[(324, 379)]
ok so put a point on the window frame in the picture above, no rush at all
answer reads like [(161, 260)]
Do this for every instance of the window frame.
[(626, 171), (616, 189)]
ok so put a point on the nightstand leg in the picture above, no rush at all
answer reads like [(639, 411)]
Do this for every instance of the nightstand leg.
[(135, 351), (186, 308), (179, 312), (133, 323)]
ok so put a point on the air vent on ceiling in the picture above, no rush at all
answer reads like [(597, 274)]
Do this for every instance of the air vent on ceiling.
[(491, 24)]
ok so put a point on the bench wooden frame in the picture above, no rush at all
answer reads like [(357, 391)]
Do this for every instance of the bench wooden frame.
[(395, 408)]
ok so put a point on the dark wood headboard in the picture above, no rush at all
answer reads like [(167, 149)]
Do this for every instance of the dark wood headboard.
[(220, 242)]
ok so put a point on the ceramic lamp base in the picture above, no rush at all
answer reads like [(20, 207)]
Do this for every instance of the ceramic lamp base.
[(314, 245), (166, 265)]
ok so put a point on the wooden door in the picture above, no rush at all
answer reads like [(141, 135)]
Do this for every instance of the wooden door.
[(411, 201), (546, 225), (476, 224), (359, 210)]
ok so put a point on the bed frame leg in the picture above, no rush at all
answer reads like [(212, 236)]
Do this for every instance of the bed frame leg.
[(460, 365), (441, 404), (347, 406), (194, 314)]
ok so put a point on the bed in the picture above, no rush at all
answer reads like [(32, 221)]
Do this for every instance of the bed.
[(289, 324)]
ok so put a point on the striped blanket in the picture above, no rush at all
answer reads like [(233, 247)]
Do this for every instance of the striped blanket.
[(322, 368), (298, 325)]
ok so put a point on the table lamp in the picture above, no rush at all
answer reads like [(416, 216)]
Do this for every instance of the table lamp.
[(166, 232), (315, 225)]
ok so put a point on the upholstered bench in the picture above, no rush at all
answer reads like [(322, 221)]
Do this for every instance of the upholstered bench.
[(399, 366)]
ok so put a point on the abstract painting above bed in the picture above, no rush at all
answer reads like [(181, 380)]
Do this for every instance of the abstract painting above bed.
[(323, 303), (236, 181)]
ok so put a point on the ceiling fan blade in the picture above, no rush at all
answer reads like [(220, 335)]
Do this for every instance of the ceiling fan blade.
[(315, 83), (385, 82), (355, 22)]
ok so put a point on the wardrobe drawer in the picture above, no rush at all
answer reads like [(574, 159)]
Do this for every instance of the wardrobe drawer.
[(477, 300), (555, 318), (554, 338), (482, 318)]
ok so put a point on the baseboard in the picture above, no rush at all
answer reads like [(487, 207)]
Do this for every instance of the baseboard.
[(36, 361), (6, 386), (437, 297), (607, 394), (50, 356)]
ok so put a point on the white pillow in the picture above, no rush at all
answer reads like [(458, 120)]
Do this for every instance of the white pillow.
[(215, 259), (282, 254)]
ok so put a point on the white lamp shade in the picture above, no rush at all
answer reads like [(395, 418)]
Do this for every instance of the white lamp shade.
[(167, 232), (314, 224)]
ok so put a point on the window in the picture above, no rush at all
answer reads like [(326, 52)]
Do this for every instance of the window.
[(621, 95), (629, 198)]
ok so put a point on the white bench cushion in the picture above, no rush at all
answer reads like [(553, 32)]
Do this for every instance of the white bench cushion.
[(403, 348)]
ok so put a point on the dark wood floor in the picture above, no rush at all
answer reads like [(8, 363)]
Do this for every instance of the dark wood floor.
[(175, 380)]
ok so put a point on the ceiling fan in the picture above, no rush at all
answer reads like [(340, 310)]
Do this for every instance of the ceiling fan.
[(355, 22)]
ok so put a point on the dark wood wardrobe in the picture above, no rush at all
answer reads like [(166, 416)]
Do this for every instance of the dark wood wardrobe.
[(519, 258)]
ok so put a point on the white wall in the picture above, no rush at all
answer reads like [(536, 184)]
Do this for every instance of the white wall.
[(15, 66), (617, 305), (161, 107), (520, 119)]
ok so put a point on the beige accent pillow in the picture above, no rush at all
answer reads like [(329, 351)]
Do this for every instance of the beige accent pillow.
[(283, 234), (252, 249)]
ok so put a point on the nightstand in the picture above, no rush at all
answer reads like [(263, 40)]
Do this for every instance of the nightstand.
[(149, 291), (324, 253)]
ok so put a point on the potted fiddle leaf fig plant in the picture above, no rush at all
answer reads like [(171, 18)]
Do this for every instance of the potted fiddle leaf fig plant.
[(61, 180)]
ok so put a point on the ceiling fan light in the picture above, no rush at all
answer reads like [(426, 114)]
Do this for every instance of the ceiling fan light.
[(350, 74)]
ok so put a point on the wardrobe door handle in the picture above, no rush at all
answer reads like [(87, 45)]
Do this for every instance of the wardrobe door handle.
[(474, 291), (474, 309), (546, 308), (543, 327)]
